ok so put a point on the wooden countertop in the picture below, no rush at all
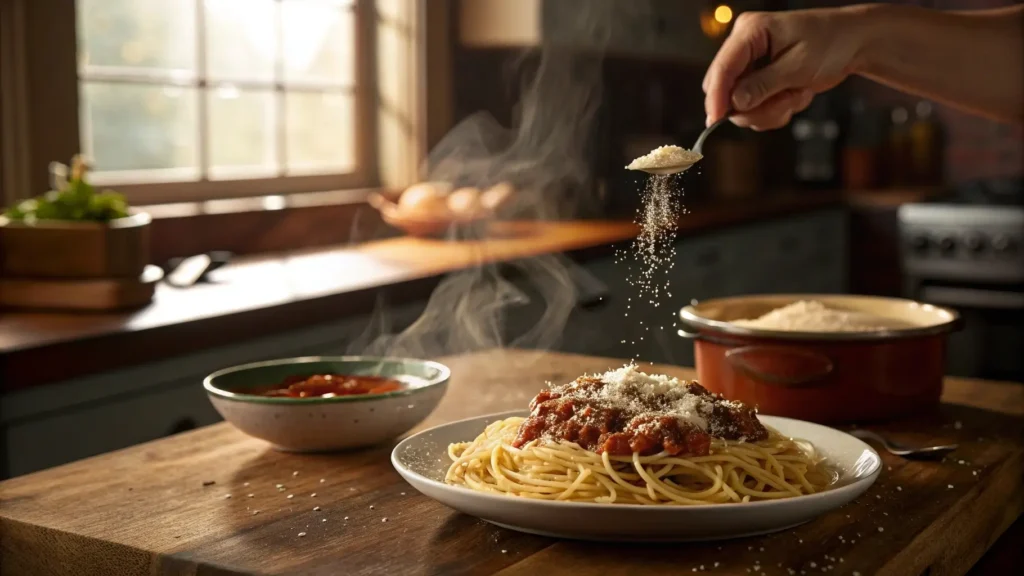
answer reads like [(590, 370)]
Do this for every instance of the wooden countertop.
[(262, 296), (145, 509)]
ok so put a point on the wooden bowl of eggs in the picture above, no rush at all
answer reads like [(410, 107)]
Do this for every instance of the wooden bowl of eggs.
[(433, 208)]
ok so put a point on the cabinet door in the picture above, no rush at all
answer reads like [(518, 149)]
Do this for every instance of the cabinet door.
[(80, 432), (805, 254)]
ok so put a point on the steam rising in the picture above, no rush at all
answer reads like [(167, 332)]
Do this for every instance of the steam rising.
[(526, 303)]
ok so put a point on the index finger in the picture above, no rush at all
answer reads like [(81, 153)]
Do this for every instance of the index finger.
[(745, 44)]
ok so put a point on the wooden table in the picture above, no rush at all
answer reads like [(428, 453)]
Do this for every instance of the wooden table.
[(180, 505)]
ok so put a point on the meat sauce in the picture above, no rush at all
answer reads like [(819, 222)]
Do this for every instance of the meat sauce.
[(330, 385), (572, 413)]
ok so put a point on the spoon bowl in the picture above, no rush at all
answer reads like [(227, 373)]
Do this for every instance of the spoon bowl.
[(698, 147)]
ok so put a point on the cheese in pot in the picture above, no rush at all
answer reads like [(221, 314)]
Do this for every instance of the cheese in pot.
[(813, 316)]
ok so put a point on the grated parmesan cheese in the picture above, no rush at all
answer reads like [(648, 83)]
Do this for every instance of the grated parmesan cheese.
[(665, 157), (627, 384), (813, 316)]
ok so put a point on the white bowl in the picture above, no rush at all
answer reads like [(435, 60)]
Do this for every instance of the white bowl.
[(326, 424)]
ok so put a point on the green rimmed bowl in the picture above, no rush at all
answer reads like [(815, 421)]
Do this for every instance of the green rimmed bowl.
[(327, 424)]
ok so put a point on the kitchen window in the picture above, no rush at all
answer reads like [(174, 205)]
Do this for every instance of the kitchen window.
[(194, 100), (198, 99)]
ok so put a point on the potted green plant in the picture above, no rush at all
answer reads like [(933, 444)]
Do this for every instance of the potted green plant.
[(73, 231)]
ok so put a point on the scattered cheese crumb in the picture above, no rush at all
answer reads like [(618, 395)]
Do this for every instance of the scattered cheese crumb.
[(504, 551), (255, 512), (346, 517), (290, 496), (227, 496), (950, 486), (899, 488), (958, 424), (880, 529), (383, 519), (301, 534), (245, 483), (322, 480), (313, 495), (323, 519), (813, 565), (316, 508)]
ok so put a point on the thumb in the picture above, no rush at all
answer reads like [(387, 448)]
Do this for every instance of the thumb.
[(753, 89)]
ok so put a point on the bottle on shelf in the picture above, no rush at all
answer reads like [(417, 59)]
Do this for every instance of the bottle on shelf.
[(925, 146), (898, 162), (860, 152)]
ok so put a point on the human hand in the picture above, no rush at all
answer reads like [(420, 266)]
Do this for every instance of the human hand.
[(809, 52)]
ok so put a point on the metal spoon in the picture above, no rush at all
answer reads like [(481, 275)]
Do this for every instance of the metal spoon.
[(698, 148), (905, 451)]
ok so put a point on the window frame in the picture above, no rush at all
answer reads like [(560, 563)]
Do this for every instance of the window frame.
[(39, 107), (148, 190)]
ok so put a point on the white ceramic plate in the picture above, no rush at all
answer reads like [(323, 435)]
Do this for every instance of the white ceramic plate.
[(422, 460)]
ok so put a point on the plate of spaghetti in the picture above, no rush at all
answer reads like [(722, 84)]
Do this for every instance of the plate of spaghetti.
[(630, 456)]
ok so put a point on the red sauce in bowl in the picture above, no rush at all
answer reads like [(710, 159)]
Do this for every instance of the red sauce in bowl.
[(329, 386)]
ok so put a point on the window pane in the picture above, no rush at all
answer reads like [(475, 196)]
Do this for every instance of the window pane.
[(241, 39), (139, 127), (320, 132), (137, 34), (241, 133), (319, 41)]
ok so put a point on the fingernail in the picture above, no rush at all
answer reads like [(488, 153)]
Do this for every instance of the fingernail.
[(741, 99), (707, 121)]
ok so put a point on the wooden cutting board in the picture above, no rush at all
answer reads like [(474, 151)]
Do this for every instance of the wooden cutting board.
[(182, 505), (85, 294)]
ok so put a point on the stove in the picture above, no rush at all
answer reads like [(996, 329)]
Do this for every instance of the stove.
[(966, 251)]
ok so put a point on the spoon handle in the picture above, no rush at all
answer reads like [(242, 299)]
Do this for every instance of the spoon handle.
[(699, 146)]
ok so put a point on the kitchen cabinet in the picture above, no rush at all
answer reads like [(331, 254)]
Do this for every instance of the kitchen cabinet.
[(50, 425), (643, 28)]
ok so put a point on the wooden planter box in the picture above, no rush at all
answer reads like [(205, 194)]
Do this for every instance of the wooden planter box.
[(65, 250)]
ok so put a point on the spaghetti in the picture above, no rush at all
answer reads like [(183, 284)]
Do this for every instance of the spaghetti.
[(640, 453)]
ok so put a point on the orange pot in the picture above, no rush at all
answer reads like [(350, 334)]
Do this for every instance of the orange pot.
[(823, 376)]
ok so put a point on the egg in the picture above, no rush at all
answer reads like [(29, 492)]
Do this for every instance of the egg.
[(496, 195), (426, 200), (465, 202)]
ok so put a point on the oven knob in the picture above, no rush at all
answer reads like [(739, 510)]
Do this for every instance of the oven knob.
[(1004, 244), (947, 245), (976, 243), (920, 243)]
